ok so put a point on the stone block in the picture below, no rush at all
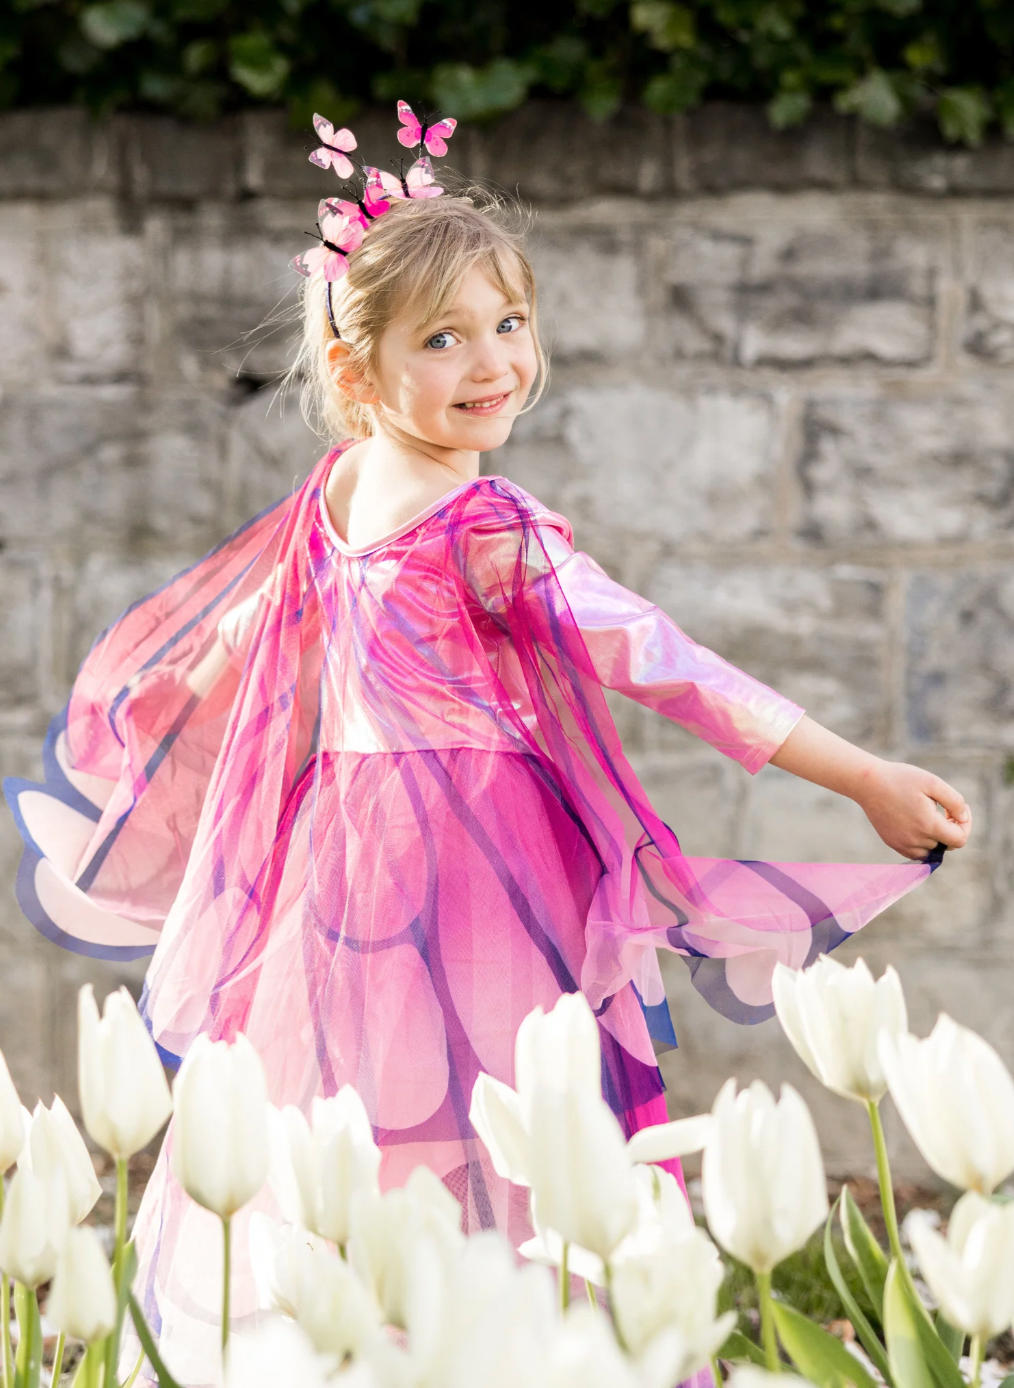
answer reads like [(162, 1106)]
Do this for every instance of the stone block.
[(804, 289), (819, 636), (68, 464), (20, 629), (638, 461), (227, 276), (959, 650), (275, 158), (610, 326), (96, 299), (104, 586), (55, 153), (723, 146), (989, 307), (182, 471), (270, 449), (170, 160), (878, 468), (22, 292), (917, 160), (699, 795)]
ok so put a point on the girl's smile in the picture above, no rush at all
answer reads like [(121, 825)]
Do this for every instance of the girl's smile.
[(490, 404)]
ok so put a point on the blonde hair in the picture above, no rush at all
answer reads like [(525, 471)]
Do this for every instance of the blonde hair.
[(412, 261)]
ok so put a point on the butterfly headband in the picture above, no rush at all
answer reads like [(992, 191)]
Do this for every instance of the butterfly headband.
[(343, 222)]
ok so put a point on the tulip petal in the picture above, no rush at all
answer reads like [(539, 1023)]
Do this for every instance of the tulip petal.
[(664, 1141)]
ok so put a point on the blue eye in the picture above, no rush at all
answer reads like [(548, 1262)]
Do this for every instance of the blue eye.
[(440, 341), (511, 323)]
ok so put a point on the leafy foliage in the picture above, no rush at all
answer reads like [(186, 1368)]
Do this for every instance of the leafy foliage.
[(882, 60)]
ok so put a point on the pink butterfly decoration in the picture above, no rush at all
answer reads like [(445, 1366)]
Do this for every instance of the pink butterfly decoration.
[(432, 137), (417, 183), (334, 144), (340, 235)]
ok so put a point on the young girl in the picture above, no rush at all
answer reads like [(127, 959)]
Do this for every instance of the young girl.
[(353, 778)]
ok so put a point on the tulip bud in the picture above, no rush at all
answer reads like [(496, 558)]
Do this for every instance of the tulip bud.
[(956, 1098), (497, 1115), (762, 1177), (277, 1355), (317, 1171), (559, 1050), (82, 1302), (220, 1132), (34, 1225), (583, 1183), (54, 1144), (124, 1094), (834, 1016), (12, 1124), (971, 1271)]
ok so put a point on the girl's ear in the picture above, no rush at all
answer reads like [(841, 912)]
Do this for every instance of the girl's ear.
[(348, 380)]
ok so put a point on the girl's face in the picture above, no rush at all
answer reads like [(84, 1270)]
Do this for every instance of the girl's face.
[(458, 382)]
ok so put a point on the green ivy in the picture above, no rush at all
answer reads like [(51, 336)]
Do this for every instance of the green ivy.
[(882, 60)]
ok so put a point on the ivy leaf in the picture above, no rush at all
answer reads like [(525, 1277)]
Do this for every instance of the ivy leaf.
[(679, 89), (114, 22), (669, 26), (963, 114), (901, 9), (470, 92), (256, 64), (560, 64), (602, 91), (874, 98), (199, 57), (789, 108)]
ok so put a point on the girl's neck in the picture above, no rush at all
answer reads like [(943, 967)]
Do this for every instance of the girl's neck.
[(394, 456)]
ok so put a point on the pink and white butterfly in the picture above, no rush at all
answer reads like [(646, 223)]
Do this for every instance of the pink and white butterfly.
[(417, 183), (333, 148), (339, 235), (433, 138)]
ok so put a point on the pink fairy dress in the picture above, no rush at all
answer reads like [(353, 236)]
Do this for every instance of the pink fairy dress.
[(369, 807)]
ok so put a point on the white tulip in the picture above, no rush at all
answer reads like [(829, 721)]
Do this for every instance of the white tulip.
[(298, 1274), (834, 1016), (751, 1376), (220, 1132), (559, 1050), (956, 1098), (277, 1355), (497, 1115), (673, 1288), (663, 1141), (387, 1228), (971, 1271), (12, 1123), (124, 1095), (34, 1226), (318, 1168), (54, 1144), (583, 1183), (762, 1177), (584, 1354), (82, 1301)]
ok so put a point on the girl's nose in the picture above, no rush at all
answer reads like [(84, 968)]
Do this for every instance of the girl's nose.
[(491, 359)]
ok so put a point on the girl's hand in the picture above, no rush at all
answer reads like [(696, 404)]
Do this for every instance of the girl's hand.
[(912, 810)]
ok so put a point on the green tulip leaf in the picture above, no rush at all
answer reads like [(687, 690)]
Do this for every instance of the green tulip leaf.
[(817, 1355), (901, 1328), (864, 1251), (165, 1378), (951, 1338), (867, 1335), (124, 1275), (738, 1347)]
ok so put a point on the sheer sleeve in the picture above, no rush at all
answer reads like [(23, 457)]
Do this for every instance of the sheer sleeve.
[(639, 651)]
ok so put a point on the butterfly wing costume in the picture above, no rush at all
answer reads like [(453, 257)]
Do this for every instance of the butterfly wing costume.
[(370, 808)]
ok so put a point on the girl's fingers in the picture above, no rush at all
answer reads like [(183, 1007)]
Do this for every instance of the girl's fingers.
[(951, 834), (950, 800)]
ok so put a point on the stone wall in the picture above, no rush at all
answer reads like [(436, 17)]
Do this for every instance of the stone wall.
[(780, 408)]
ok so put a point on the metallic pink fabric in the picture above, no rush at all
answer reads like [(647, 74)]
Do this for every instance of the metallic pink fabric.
[(369, 807)]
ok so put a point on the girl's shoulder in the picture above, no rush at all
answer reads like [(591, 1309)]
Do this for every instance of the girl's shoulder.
[(495, 504)]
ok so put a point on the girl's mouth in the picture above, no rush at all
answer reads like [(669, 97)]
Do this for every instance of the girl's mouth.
[(490, 405)]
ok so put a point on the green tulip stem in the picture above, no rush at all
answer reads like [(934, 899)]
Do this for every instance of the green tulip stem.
[(5, 1314), (769, 1338), (128, 1382), (617, 1331), (975, 1354), (884, 1179), (591, 1295), (226, 1281), (565, 1277), (121, 1213), (58, 1360), (91, 1366)]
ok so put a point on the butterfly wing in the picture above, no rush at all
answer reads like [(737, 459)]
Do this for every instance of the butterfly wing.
[(438, 135), (310, 261), (411, 133), (420, 180), (375, 192), (324, 129)]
